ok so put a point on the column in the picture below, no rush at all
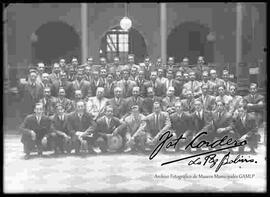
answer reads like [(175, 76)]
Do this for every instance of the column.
[(163, 31), (239, 26), (6, 66), (84, 31)]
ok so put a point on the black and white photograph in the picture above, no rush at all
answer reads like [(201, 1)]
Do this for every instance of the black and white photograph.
[(122, 97)]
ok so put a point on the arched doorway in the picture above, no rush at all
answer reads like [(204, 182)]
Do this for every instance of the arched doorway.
[(55, 40), (189, 39), (117, 42)]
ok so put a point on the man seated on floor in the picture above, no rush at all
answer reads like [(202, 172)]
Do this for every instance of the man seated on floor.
[(36, 131), (107, 127), (81, 127), (63, 138)]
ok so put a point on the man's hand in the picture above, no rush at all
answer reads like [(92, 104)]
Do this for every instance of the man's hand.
[(220, 130), (44, 141), (33, 135)]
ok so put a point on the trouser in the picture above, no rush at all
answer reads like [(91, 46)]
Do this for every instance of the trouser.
[(30, 144), (63, 144)]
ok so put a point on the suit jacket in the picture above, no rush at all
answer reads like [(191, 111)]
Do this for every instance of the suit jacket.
[(199, 68), (103, 127), (147, 70), (119, 108), (96, 107), (196, 89), (140, 83), (67, 85), (199, 123), (133, 124), (74, 124), (132, 101), (49, 105), (188, 105), (234, 103), (148, 104), (226, 99), (213, 86), (163, 124), (242, 128), (159, 88), (227, 85), (255, 100), (174, 83), (29, 96), (222, 122), (54, 78), (59, 125), (127, 88), (109, 89), (208, 102), (181, 124), (94, 85), (41, 129), (84, 86), (66, 103), (167, 103)]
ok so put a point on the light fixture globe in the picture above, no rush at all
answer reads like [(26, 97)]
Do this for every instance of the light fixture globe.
[(125, 23)]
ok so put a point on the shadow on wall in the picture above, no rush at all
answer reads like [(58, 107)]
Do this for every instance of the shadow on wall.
[(55, 40)]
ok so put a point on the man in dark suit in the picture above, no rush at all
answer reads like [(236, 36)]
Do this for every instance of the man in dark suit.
[(107, 126), (255, 103), (193, 85), (109, 86), (81, 84), (207, 100), (81, 126), (227, 82), (45, 82), (49, 102), (63, 138), (181, 124), (169, 101), (188, 103), (55, 76), (171, 82), (149, 101), (140, 80), (245, 127), (159, 88), (135, 99), (65, 102), (36, 129), (118, 103), (156, 124), (147, 67), (30, 93), (95, 83), (87, 73), (126, 84), (64, 83)]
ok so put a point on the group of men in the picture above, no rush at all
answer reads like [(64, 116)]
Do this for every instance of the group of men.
[(85, 106)]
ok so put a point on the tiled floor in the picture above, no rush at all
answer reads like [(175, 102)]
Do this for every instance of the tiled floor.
[(122, 173)]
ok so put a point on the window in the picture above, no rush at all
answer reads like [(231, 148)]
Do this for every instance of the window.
[(117, 44)]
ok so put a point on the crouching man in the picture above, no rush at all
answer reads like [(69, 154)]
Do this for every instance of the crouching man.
[(133, 126), (81, 127), (36, 131), (63, 138), (246, 128), (108, 127), (157, 123)]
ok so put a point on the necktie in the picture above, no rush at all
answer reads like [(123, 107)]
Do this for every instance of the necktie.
[(157, 123), (38, 119), (192, 86), (108, 122)]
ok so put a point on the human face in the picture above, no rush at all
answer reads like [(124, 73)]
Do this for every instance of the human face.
[(170, 61), (225, 76), (221, 91), (103, 61), (169, 75), (118, 93), (62, 93), (204, 90), (90, 61), (87, 70), (116, 61), (56, 68), (110, 78), (60, 110), (141, 75), (150, 93), (33, 77), (41, 68), (220, 106), (253, 90), (103, 73), (133, 71), (185, 62), (186, 77), (156, 108), (109, 112), (192, 76), (125, 75), (45, 78), (100, 93), (135, 111), (47, 92), (213, 74), (153, 76), (205, 77), (130, 59), (38, 110), (78, 95), (178, 76), (74, 62), (135, 92), (79, 76), (62, 62), (170, 92), (232, 90), (189, 95), (198, 106), (80, 107), (63, 76), (147, 61), (160, 72)]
